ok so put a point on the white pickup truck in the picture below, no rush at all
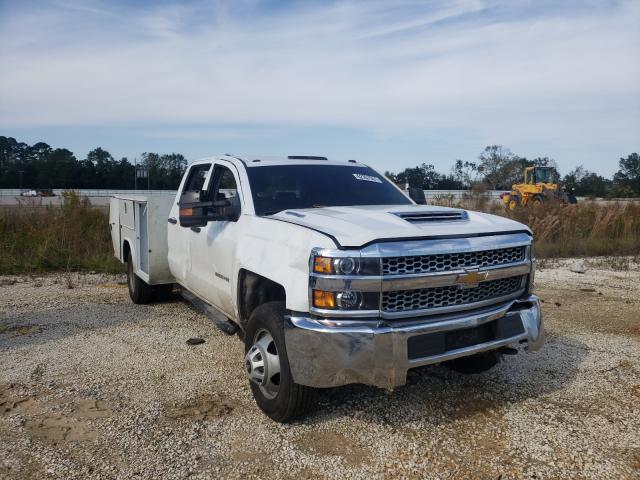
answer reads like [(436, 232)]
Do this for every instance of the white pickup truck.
[(331, 274)]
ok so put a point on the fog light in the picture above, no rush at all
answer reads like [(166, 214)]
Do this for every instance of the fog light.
[(346, 265), (322, 299), (348, 299)]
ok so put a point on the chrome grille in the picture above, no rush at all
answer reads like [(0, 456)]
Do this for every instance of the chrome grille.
[(451, 261), (448, 296)]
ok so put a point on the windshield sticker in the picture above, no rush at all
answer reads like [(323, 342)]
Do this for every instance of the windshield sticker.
[(367, 178)]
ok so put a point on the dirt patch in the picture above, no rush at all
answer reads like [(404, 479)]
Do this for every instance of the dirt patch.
[(19, 329), (11, 402), (589, 311), (44, 425), (90, 409), (205, 407), (335, 444), (58, 428)]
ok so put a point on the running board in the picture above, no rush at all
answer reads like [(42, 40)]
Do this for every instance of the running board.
[(212, 313)]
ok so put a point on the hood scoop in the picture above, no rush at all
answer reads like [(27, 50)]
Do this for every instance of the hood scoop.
[(433, 216)]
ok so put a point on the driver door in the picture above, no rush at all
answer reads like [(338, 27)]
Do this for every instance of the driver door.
[(213, 246), (178, 237)]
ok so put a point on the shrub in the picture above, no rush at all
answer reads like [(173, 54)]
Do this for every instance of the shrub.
[(74, 236)]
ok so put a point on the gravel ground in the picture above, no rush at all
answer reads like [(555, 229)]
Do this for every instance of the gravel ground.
[(92, 386)]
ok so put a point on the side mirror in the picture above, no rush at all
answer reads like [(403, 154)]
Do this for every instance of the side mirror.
[(227, 210), (194, 214), (221, 203), (417, 195)]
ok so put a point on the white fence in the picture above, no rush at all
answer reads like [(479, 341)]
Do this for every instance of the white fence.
[(430, 195), (15, 192)]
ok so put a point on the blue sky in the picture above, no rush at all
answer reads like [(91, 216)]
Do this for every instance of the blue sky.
[(392, 83)]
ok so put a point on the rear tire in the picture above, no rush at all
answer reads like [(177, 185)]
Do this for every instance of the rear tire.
[(163, 292), (139, 291), (281, 399), (478, 363)]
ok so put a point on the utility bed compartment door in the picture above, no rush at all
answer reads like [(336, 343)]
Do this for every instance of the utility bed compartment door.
[(114, 226), (141, 221), (127, 218)]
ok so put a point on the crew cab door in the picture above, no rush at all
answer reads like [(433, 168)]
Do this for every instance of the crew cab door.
[(179, 238), (213, 247)]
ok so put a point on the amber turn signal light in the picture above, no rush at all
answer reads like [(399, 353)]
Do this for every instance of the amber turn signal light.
[(323, 265), (322, 299)]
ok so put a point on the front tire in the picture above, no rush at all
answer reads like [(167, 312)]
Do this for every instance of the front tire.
[(267, 366), (139, 291)]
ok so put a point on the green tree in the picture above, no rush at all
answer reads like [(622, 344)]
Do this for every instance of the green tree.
[(499, 167), (165, 171), (628, 176), (586, 183), (465, 173)]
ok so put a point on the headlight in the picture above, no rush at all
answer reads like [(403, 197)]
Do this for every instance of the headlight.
[(346, 266)]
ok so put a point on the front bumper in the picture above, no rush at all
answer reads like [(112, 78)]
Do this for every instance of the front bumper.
[(330, 353)]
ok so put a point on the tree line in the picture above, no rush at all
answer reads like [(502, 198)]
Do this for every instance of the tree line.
[(498, 168), (40, 166)]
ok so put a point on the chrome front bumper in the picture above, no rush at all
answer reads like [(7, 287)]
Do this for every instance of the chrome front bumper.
[(330, 353)]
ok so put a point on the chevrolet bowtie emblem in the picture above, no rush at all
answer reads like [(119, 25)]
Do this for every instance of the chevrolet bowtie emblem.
[(471, 278)]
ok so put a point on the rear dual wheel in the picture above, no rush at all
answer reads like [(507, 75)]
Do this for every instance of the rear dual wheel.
[(141, 292)]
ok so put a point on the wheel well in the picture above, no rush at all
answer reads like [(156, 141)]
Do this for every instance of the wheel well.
[(126, 251), (254, 290)]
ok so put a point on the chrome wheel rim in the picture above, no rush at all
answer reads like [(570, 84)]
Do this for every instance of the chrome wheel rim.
[(262, 364)]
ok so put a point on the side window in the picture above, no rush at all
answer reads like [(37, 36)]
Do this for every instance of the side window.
[(195, 182), (227, 185), (224, 184)]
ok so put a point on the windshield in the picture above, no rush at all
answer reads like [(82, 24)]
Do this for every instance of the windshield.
[(545, 175), (281, 187)]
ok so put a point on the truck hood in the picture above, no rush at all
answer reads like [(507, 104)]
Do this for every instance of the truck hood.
[(361, 225)]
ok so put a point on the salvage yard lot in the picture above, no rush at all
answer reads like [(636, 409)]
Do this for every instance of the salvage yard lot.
[(92, 386)]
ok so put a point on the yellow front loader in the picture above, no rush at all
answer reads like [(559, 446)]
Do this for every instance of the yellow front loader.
[(540, 185)]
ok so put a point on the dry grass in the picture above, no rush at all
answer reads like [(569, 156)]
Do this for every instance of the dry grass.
[(72, 237), (76, 236), (585, 229)]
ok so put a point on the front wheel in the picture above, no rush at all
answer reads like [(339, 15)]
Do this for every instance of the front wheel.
[(267, 366)]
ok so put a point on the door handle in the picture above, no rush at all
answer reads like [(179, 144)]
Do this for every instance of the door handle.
[(172, 220), (196, 229)]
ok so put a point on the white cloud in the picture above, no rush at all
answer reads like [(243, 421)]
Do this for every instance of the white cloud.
[(512, 71)]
